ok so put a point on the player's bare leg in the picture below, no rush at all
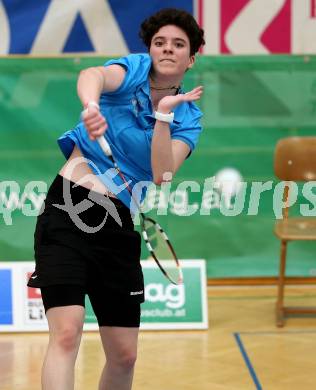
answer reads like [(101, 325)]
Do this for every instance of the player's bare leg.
[(120, 347), (65, 330)]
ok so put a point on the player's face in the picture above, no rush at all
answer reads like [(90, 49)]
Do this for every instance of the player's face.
[(170, 51)]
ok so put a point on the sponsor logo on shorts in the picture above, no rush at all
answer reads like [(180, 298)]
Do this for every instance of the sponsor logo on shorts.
[(136, 292), (34, 308)]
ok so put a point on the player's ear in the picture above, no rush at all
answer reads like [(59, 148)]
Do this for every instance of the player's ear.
[(191, 61)]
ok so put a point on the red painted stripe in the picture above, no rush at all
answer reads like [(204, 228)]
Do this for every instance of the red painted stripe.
[(277, 36), (313, 8), (200, 13), (229, 11), (200, 20)]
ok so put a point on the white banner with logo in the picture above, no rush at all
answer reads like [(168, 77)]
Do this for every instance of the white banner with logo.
[(167, 306)]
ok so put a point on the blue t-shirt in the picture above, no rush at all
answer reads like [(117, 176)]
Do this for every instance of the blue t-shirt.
[(129, 114)]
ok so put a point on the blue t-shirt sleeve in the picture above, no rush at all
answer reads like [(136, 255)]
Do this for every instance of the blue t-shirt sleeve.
[(137, 67), (190, 130)]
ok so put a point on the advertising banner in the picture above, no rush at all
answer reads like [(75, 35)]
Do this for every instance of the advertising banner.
[(110, 27), (258, 26), (167, 306)]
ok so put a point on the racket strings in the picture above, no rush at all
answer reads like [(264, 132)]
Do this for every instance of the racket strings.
[(158, 244)]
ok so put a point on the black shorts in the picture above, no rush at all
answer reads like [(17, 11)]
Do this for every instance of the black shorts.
[(108, 310), (106, 261)]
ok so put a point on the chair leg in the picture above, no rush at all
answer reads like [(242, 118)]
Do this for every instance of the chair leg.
[(281, 282)]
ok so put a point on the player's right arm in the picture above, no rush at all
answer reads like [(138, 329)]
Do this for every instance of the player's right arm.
[(91, 83)]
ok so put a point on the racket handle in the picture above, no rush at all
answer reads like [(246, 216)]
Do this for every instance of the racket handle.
[(104, 145), (102, 141)]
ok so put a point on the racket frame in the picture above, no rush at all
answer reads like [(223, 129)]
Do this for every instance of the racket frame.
[(108, 152)]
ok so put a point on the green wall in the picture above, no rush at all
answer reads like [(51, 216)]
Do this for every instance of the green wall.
[(248, 103)]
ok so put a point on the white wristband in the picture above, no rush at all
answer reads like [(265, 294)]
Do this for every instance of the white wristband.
[(93, 104), (164, 117)]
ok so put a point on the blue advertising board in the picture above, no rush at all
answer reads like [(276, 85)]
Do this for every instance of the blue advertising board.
[(52, 26), (6, 317)]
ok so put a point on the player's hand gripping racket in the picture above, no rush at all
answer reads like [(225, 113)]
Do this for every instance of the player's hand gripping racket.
[(156, 240)]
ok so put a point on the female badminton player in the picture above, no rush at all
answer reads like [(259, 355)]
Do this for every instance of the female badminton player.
[(85, 242)]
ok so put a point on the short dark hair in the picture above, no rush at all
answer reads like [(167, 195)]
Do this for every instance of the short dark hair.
[(177, 17)]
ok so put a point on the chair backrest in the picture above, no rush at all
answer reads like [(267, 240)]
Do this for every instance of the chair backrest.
[(295, 158)]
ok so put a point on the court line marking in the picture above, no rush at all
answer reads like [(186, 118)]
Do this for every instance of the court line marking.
[(245, 356), (262, 298), (247, 361), (265, 332)]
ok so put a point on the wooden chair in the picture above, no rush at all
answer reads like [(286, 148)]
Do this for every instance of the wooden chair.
[(294, 160)]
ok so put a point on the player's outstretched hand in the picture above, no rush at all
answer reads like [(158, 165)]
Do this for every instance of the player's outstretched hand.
[(169, 103)]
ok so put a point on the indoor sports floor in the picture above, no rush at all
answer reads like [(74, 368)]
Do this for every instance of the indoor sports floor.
[(242, 350)]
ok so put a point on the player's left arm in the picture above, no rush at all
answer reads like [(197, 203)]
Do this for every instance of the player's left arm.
[(167, 155), (180, 151)]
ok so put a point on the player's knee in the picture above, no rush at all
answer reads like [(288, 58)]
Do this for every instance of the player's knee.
[(68, 338), (127, 360)]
